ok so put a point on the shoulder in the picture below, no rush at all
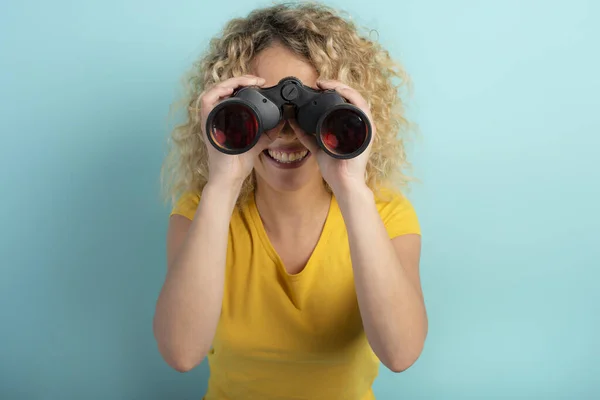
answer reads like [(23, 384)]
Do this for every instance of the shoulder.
[(186, 205), (397, 213)]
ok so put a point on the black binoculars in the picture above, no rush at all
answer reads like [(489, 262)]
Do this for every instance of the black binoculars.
[(342, 130)]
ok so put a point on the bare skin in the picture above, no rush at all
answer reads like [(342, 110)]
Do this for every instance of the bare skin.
[(293, 205)]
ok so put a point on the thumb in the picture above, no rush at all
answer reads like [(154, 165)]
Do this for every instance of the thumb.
[(310, 142)]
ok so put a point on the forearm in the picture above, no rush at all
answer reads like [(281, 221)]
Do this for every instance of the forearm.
[(391, 306), (189, 304)]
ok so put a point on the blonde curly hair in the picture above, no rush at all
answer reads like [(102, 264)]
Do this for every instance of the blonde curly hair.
[(336, 49)]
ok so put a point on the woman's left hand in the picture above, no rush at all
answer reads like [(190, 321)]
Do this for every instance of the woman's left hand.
[(341, 175)]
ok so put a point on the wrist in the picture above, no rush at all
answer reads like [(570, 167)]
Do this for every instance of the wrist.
[(349, 194), (345, 188), (222, 192), (230, 187)]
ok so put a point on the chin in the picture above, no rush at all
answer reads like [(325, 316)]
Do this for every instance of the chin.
[(287, 185)]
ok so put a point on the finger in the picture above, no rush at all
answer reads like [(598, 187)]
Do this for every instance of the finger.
[(350, 94), (228, 86), (210, 98), (245, 80), (329, 83), (308, 141)]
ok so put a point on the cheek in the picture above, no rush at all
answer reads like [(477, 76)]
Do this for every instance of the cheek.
[(312, 163), (258, 162)]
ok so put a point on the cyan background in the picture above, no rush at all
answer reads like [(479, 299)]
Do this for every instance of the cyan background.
[(507, 99)]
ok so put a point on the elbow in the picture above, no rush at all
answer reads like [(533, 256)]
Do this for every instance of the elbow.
[(405, 356), (180, 362), (181, 365), (181, 359), (402, 361), (400, 364)]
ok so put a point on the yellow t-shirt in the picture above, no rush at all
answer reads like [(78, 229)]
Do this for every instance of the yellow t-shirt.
[(283, 336)]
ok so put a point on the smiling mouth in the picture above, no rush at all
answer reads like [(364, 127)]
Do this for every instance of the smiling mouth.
[(288, 158)]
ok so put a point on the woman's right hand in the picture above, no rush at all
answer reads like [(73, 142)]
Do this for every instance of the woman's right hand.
[(225, 168)]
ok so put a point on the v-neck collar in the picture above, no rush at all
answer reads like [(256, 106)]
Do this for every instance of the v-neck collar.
[(266, 242)]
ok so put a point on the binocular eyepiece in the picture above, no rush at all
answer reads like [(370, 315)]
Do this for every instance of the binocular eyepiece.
[(342, 130)]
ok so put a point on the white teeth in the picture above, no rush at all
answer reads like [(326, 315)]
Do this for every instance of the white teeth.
[(284, 157)]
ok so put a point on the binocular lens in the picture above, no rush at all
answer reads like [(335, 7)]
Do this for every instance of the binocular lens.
[(343, 131), (234, 127)]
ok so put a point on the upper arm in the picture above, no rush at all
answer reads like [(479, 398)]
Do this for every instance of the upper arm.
[(176, 233), (402, 225), (408, 251), (179, 223)]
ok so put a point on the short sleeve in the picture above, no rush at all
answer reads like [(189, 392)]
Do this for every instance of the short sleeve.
[(186, 205), (398, 215)]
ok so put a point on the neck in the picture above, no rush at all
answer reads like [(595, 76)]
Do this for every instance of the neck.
[(286, 212)]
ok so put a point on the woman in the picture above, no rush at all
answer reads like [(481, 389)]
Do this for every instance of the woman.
[(294, 278)]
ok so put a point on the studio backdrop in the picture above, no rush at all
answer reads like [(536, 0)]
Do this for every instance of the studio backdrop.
[(506, 100)]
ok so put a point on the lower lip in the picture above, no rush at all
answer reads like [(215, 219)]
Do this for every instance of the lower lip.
[(288, 165)]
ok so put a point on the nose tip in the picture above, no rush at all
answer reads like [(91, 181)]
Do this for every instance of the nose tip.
[(286, 130), (288, 111)]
